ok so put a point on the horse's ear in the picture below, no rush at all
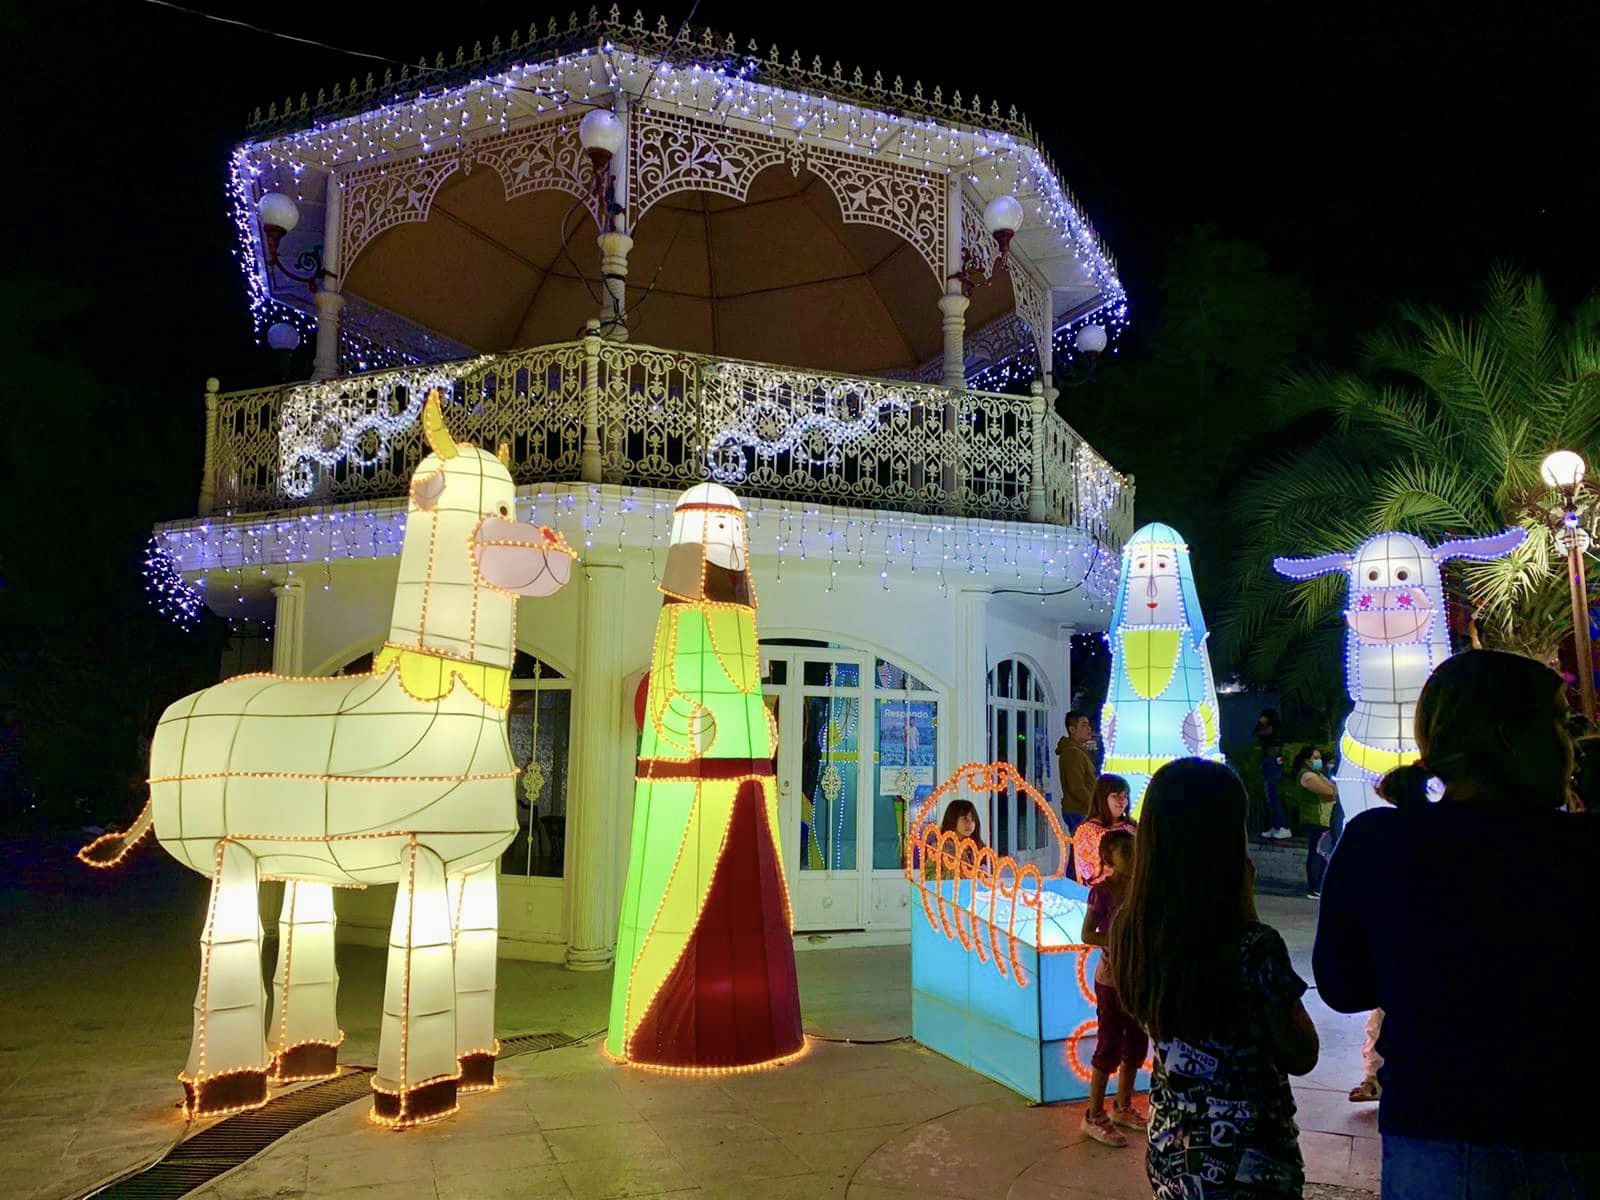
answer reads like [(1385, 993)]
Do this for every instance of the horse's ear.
[(426, 490)]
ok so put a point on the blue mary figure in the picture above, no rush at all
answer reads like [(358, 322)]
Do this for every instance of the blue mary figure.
[(1163, 703)]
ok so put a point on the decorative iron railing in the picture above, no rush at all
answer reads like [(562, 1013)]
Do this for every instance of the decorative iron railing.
[(614, 412)]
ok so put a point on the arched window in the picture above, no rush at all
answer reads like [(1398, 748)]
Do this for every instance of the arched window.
[(539, 727), (1019, 733)]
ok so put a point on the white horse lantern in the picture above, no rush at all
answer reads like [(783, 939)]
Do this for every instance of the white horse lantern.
[(1396, 636), (401, 776)]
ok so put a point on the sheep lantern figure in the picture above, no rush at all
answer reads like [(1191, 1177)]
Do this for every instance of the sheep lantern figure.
[(1395, 637), (403, 776)]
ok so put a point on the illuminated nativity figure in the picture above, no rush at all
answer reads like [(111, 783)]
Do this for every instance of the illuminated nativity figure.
[(705, 974), (403, 775), (1162, 702)]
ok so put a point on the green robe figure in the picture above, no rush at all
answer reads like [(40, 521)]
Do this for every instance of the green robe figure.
[(705, 975)]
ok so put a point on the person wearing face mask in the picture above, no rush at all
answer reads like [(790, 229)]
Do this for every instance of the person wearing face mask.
[(1317, 815)]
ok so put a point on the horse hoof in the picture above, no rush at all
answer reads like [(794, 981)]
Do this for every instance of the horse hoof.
[(308, 1060), (477, 1072), (432, 1100), (219, 1095)]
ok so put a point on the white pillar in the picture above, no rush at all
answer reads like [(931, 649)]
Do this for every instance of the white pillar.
[(614, 247), (972, 676), (1036, 464), (329, 302), (597, 790), (208, 473), (289, 628)]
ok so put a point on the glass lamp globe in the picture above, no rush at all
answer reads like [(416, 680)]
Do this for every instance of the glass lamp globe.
[(1563, 469), (600, 131), (277, 211), (1091, 339), (1002, 215), (283, 336)]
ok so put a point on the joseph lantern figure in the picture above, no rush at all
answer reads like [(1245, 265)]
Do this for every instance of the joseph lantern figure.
[(1162, 703), (705, 975), (403, 775)]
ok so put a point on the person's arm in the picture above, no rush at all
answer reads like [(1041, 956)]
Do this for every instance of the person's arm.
[(1342, 957), (1317, 785), (1291, 1037), (1295, 1045), (1090, 934)]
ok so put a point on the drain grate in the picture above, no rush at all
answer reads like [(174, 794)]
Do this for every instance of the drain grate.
[(196, 1161), (527, 1043)]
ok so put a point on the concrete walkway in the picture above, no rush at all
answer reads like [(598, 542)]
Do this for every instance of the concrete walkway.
[(100, 974)]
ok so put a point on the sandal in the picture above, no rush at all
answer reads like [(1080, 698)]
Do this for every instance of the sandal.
[(1098, 1126), (1129, 1118), (1366, 1091)]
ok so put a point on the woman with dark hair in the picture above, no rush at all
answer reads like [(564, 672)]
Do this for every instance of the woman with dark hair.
[(1410, 925), (1108, 810), (1316, 817), (1214, 988)]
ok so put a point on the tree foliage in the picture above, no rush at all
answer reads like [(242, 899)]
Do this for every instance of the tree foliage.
[(1439, 429)]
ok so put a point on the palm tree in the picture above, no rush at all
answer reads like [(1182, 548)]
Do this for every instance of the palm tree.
[(1440, 429)]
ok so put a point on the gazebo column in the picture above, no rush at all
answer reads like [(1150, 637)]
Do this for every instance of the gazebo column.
[(953, 309), (598, 791), (289, 628), (329, 302), (328, 298), (614, 247)]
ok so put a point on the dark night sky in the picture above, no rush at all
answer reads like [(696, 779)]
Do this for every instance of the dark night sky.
[(1376, 156)]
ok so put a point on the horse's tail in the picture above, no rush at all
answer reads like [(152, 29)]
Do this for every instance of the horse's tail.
[(109, 849)]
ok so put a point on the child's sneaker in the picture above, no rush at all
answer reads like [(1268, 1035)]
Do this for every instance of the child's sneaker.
[(1129, 1118), (1099, 1127)]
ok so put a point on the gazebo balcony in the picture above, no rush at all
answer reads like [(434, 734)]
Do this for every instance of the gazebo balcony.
[(609, 412)]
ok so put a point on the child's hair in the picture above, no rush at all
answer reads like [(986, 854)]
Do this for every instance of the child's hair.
[(1106, 787), (957, 809), (1185, 904), (1115, 844), (1405, 787)]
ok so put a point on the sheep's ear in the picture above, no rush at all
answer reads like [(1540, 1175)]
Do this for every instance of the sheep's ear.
[(1494, 545), (426, 490), (1310, 568)]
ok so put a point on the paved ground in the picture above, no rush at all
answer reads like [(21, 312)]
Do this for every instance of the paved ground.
[(98, 978)]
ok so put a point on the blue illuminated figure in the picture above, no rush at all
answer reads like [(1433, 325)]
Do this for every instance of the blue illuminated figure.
[(1162, 703)]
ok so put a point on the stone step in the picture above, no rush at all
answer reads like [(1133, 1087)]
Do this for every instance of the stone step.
[(1280, 866)]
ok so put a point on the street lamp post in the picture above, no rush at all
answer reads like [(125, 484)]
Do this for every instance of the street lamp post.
[(1564, 471)]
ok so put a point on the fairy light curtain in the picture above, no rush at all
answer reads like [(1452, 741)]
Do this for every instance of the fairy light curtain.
[(705, 975), (401, 775), (1162, 702), (1001, 980), (1395, 636)]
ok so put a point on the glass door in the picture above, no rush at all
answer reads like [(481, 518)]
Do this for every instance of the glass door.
[(858, 748)]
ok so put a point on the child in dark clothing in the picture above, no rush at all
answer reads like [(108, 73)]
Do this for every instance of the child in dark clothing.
[(1120, 1045)]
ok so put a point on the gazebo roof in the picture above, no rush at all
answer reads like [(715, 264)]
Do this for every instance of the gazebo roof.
[(818, 236)]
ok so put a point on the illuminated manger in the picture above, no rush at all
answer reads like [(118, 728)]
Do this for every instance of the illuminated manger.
[(1001, 980)]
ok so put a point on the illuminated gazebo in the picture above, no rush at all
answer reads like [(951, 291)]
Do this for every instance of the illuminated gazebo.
[(644, 258)]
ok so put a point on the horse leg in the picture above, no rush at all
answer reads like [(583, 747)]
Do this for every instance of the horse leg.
[(417, 1073), (227, 1067), (475, 906), (305, 987)]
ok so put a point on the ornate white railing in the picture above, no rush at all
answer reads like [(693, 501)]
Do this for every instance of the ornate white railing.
[(635, 415)]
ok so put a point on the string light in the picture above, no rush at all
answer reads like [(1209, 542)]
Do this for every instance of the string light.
[(169, 593), (394, 120)]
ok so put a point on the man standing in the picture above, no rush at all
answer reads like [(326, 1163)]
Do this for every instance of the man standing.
[(1078, 772)]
